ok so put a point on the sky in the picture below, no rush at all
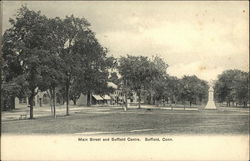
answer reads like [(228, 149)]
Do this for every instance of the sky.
[(201, 38)]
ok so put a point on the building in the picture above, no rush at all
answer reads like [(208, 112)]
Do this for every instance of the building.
[(107, 99), (41, 99)]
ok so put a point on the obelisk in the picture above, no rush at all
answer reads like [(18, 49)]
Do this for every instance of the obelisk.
[(210, 104)]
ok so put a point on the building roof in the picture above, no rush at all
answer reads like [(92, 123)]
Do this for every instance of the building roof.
[(106, 97), (97, 97), (111, 84)]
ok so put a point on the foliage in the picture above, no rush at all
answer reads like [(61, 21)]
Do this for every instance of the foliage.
[(24, 47), (192, 89), (47, 53), (232, 86), (138, 72)]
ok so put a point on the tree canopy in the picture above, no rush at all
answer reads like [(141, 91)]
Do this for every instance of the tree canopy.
[(232, 86), (45, 54), (138, 72), (41, 53)]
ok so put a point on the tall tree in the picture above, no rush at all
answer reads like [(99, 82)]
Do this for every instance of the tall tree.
[(192, 88), (232, 86), (173, 88), (24, 46), (74, 28), (94, 77), (85, 59), (51, 70), (158, 88), (137, 72)]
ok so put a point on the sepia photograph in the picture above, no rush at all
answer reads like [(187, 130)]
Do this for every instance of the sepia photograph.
[(103, 79)]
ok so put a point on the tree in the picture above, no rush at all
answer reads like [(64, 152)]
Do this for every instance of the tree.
[(44, 54), (231, 86), (9, 91), (157, 88), (167, 89), (75, 91), (137, 73), (241, 84), (160, 89), (10, 88), (94, 77), (51, 70), (173, 88), (73, 29), (192, 88), (24, 46), (85, 60)]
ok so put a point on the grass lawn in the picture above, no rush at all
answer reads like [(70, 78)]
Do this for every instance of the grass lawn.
[(135, 121)]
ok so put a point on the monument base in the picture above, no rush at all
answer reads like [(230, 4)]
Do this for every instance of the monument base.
[(210, 106)]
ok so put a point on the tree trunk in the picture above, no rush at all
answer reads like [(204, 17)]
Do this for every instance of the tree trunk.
[(67, 98), (126, 102), (190, 103), (89, 99), (151, 98), (74, 101), (54, 102), (51, 106), (13, 105), (50, 101), (40, 102), (139, 101), (31, 102)]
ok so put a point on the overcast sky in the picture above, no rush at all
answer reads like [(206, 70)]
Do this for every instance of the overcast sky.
[(201, 38)]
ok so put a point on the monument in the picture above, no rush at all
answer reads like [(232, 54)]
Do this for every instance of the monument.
[(210, 104)]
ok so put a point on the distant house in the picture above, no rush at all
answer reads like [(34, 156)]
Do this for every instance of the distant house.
[(113, 85), (135, 99), (95, 100), (118, 96), (82, 101), (107, 99), (98, 99), (42, 98)]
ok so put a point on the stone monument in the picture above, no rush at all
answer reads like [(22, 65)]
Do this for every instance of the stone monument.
[(210, 104)]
